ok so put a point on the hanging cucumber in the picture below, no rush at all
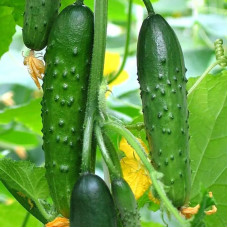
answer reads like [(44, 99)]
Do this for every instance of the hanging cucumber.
[(39, 16), (68, 60), (125, 203), (92, 204), (161, 74)]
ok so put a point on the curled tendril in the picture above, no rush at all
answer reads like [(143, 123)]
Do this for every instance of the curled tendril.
[(219, 52)]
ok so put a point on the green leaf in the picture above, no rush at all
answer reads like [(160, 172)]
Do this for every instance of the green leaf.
[(127, 103), (11, 136), (27, 184), (27, 114), (7, 28), (207, 106)]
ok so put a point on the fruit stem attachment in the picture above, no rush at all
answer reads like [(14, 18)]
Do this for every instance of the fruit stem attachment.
[(96, 74), (126, 51), (154, 175), (149, 7), (105, 154), (79, 2)]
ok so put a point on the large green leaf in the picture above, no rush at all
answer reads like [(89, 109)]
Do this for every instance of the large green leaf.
[(7, 28), (27, 114), (27, 184), (11, 136), (207, 106)]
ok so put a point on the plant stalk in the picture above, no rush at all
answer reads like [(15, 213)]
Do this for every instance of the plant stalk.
[(100, 30)]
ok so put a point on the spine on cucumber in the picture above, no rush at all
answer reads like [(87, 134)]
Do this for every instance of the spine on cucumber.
[(68, 60), (39, 16), (161, 74)]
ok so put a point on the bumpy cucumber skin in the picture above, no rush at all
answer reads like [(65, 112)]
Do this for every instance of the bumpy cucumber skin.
[(39, 16), (68, 60), (161, 73), (125, 203), (92, 204)]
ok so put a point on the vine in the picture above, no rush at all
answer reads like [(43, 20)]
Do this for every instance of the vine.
[(126, 51), (221, 60), (100, 30)]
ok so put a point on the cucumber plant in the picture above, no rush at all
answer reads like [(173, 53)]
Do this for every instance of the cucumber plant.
[(39, 17), (161, 74), (68, 60)]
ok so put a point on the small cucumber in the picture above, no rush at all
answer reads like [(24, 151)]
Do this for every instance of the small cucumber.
[(161, 73), (39, 16), (125, 203), (68, 60), (92, 204)]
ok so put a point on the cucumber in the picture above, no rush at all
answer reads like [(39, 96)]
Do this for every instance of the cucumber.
[(92, 204), (125, 203), (161, 74), (68, 60), (39, 16)]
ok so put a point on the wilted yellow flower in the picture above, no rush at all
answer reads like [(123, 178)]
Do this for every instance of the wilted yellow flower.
[(111, 66), (21, 152), (134, 172), (59, 222), (7, 98)]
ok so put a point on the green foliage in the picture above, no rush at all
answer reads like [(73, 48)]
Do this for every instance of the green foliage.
[(27, 114), (7, 28), (27, 184), (12, 135), (207, 106)]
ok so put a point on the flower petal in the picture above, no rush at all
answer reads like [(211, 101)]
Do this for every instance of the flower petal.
[(112, 62)]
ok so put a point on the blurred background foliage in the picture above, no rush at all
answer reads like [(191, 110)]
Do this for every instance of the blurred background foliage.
[(197, 23)]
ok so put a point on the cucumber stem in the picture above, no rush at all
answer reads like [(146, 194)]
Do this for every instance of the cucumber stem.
[(204, 75), (112, 152), (100, 30), (138, 126), (112, 78), (145, 160), (79, 2), (105, 154), (149, 7)]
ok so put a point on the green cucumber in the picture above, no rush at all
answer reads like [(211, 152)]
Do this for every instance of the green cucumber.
[(39, 16), (68, 60), (125, 203), (92, 204), (161, 74)]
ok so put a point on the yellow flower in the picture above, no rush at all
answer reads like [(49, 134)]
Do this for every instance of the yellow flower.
[(111, 66), (134, 172)]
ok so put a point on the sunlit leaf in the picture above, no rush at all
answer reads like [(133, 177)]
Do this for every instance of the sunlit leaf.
[(27, 114), (7, 28), (208, 109), (26, 183)]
